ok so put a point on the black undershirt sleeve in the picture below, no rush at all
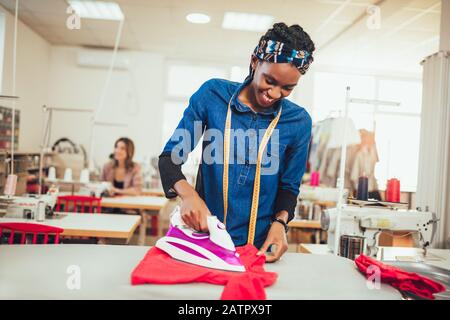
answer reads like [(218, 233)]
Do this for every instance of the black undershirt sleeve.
[(285, 200), (170, 174)]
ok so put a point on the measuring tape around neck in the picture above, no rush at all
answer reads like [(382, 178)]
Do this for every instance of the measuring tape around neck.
[(256, 184)]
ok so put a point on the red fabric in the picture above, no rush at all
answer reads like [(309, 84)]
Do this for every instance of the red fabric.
[(400, 279), (159, 268)]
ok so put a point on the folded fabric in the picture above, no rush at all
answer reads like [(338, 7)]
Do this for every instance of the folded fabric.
[(400, 279), (158, 267)]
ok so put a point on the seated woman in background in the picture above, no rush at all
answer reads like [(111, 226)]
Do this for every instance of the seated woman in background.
[(124, 174)]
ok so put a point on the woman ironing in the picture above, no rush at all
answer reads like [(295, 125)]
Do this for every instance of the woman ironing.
[(253, 192)]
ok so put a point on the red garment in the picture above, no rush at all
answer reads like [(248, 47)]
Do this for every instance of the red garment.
[(160, 268), (400, 279)]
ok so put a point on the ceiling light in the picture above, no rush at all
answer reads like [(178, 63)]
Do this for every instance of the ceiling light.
[(246, 21), (198, 18), (97, 10)]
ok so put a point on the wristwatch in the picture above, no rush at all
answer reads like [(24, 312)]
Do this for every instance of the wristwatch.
[(286, 228)]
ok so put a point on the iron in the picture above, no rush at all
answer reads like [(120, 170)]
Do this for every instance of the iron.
[(213, 250)]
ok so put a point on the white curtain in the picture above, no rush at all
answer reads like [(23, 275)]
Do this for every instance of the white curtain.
[(433, 189)]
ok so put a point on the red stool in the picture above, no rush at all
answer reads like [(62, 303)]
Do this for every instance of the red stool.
[(83, 201), (32, 228)]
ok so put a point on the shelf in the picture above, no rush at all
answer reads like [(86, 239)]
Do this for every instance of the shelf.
[(307, 224), (8, 97), (25, 153), (58, 181)]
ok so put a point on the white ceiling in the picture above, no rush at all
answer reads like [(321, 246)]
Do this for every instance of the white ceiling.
[(409, 29)]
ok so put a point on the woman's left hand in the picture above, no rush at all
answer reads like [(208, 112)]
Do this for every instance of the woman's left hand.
[(277, 237)]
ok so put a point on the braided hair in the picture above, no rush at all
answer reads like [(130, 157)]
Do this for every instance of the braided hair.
[(293, 36)]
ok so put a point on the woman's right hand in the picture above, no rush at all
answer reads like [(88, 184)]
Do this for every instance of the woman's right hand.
[(194, 211)]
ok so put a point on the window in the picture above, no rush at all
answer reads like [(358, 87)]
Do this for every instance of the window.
[(330, 92), (408, 93), (397, 129), (398, 132), (182, 81), (398, 139)]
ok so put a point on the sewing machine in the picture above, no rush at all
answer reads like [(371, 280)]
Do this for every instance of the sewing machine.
[(369, 222), (26, 207)]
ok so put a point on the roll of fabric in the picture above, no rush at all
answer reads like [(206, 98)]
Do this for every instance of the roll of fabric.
[(393, 190), (363, 188)]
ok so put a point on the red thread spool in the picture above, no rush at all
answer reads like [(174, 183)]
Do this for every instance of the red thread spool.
[(393, 190), (315, 176)]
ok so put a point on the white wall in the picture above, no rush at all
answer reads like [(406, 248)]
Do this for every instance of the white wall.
[(134, 97), (33, 54), (49, 75), (303, 94)]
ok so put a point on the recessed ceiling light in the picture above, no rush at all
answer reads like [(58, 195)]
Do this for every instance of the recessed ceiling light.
[(246, 21), (198, 18), (97, 10)]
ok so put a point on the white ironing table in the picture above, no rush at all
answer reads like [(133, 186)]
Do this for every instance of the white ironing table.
[(43, 271)]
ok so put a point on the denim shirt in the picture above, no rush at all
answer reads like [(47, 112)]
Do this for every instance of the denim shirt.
[(283, 162)]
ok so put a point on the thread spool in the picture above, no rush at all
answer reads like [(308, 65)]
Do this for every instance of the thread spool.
[(40, 214), (68, 175), (84, 176), (10, 187), (393, 190), (363, 188), (315, 177), (51, 173)]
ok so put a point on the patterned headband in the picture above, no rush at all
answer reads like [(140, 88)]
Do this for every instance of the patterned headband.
[(278, 52)]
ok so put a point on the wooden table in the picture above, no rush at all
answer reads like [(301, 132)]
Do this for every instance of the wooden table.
[(153, 192), (307, 224), (90, 224), (134, 202), (314, 248), (42, 272), (141, 204)]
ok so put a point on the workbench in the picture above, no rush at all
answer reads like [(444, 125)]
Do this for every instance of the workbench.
[(43, 272)]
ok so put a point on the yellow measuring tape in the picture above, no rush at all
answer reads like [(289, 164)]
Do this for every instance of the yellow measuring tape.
[(256, 185)]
